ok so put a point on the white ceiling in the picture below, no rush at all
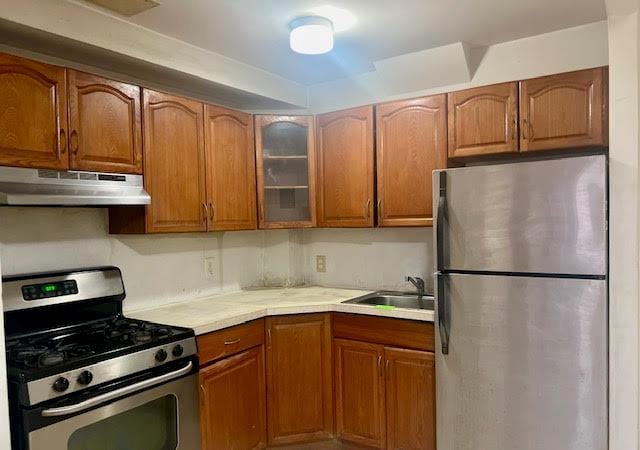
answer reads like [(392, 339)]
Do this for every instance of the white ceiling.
[(256, 31)]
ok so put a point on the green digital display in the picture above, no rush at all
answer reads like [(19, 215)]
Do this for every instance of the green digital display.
[(49, 288)]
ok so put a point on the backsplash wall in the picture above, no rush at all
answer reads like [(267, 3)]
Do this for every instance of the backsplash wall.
[(371, 258), (167, 268)]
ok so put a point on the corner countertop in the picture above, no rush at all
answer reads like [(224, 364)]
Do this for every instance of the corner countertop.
[(209, 314)]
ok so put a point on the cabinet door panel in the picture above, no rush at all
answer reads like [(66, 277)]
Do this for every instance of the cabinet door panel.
[(33, 114), (233, 413), (360, 409), (412, 142), (411, 407), (483, 120), (174, 163), (345, 168), (231, 175), (105, 124), (564, 111), (299, 383)]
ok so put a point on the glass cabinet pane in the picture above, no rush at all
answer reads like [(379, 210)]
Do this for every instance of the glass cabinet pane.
[(285, 157)]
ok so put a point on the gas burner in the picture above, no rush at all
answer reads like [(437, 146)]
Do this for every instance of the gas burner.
[(51, 359)]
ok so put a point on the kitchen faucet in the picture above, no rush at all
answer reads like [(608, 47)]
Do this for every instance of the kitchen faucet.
[(418, 283)]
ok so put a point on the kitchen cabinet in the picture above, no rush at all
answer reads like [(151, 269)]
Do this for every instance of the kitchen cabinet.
[(410, 399), (385, 382), (483, 120), (345, 168), (231, 175), (233, 414), (299, 378), (285, 156), (174, 163), (564, 111), (105, 132), (411, 143), (33, 111), (360, 402), (232, 374)]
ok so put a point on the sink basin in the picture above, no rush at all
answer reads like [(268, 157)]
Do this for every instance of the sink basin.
[(402, 300)]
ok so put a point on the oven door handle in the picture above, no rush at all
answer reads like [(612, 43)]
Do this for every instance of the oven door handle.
[(79, 407)]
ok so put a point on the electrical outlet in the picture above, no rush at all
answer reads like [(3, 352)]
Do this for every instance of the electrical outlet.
[(321, 263), (210, 267)]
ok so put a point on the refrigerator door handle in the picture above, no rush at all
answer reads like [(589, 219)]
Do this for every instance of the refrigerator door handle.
[(444, 324), (442, 204)]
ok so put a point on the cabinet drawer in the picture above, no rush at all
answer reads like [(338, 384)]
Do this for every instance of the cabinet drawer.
[(381, 330), (219, 344)]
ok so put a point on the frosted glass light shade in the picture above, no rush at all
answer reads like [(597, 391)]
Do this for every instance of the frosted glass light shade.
[(311, 35)]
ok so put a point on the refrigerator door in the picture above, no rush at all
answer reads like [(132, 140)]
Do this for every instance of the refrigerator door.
[(534, 217), (527, 364)]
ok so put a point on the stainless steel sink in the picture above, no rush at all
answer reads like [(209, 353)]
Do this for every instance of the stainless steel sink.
[(403, 300)]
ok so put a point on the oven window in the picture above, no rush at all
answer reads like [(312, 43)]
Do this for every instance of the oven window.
[(152, 426)]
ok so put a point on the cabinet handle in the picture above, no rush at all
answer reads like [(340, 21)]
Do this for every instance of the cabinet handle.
[(63, 142), (524, 129), (73, 137), (530, 130), (367, 209), (204, 393), (234, 341), (205, 208), (514, 131), (386, 367), (380, 365), (269, 338), (379, 208), (262, 213), (211, 211)]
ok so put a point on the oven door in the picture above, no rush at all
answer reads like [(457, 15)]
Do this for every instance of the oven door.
[(163, 417)]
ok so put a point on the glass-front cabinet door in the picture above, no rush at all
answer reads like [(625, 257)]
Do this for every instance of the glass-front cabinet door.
[(285, 157)]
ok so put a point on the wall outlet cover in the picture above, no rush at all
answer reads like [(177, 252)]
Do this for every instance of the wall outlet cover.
[(321, 263)]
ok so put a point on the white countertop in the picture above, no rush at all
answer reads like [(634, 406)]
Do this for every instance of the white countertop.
[(209, 314)]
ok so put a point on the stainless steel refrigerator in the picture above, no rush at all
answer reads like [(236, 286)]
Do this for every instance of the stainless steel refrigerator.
[(521, 292)]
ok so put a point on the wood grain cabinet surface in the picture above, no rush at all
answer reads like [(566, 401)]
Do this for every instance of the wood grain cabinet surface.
[(232, 399), (411, 144), (33, 112), (231, 171), (345, 168), (360, 392), (174, 163), (105, 131), (564, 111), (299, 378), (286, 171), (483, 120)]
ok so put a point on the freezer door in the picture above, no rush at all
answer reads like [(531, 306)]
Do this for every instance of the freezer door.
[(527, 364), (540, 216)]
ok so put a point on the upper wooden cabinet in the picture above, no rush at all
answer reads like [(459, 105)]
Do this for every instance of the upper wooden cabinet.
[(483, 120), (564, 111), (299, 378), (33, 114), (285, 154), (174, 163), (105, 132), (231, 175), (345, 168), (411, 143)]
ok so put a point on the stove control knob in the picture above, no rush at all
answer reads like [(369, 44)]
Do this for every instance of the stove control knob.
[(161, 355), (85, 377), (177, 351), (61, 384)]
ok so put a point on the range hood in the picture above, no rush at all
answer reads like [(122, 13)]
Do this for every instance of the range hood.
[(43, 187)]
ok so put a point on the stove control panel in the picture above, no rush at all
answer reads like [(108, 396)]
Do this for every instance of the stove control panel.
[(48, 290)]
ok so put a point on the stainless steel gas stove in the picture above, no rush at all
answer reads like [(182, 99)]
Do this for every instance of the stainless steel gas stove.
[(83, 376)]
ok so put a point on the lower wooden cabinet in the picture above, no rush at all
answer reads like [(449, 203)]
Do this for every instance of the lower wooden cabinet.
[(299, 379), (360, 405), (385, 397), (233, 412)]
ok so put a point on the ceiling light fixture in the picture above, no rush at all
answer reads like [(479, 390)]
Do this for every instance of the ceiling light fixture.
[(311, 35)]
